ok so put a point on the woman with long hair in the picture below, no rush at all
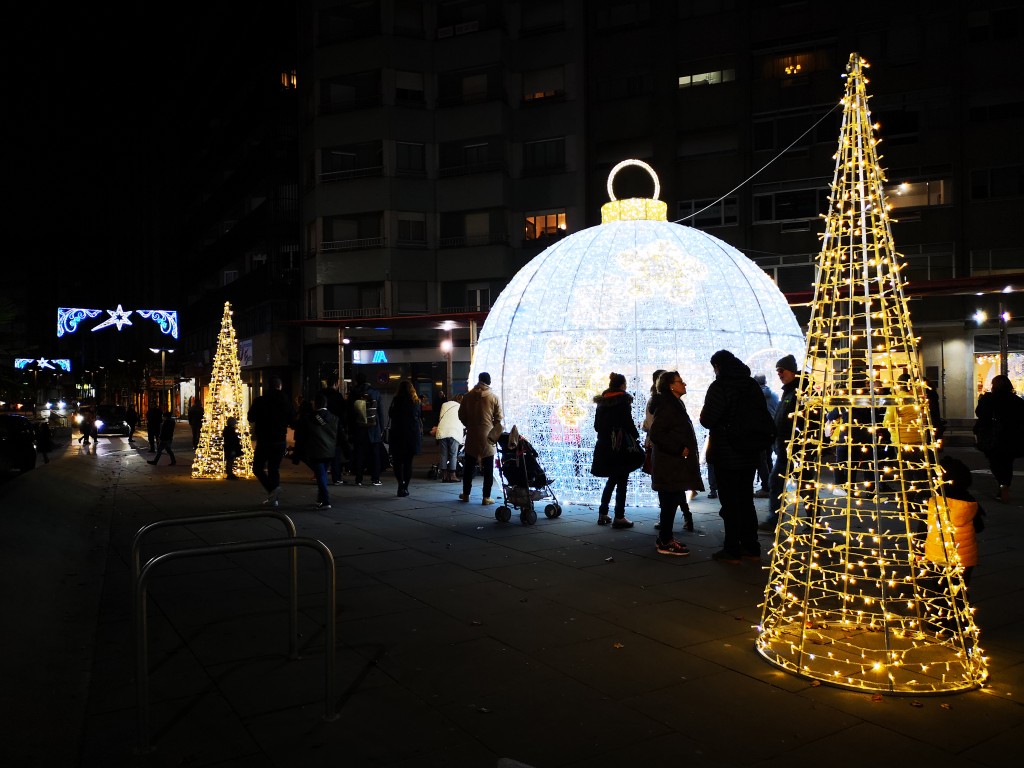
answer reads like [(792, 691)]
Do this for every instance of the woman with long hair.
[(406, 433), (617, 449)]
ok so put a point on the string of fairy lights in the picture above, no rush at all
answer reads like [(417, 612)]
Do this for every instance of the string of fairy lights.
[(226, 399), (852, 598)]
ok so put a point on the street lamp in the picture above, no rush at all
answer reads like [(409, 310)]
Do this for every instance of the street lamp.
[(163, 374), (446, 348)]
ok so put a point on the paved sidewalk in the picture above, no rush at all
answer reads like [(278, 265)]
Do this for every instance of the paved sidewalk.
[(461, 641)]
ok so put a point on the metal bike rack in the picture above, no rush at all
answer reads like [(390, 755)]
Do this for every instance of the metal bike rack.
[(293, 594), (141, 628)]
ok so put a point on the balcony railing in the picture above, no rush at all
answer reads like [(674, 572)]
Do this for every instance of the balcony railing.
[(482, 167), (463, 241), (352, 245), (353, 314), (352, 173)]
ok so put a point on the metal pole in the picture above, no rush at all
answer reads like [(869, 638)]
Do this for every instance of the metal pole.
[(1004, 351), (448, 372), (163, 380)]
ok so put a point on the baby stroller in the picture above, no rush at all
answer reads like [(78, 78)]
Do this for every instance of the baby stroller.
[(522, 480)]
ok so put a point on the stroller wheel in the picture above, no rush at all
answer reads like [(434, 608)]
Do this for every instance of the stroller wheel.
[(551, 510), (503, 514), (558, 510), (528, 516)]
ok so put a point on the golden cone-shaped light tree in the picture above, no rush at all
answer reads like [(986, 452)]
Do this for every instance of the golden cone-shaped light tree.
[(226, 399), (854, 596)]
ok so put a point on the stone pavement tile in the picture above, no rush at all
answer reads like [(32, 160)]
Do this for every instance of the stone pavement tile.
[(698, 707), (1005, 671), (737, 654), (471, 553), (407, 631), (376, 600), (595, 592), (541, 574), (378, 724), (538, 540), (735, 590), (395, 528), (843, 750), (550, 721), (195, 730), (465, 755), (996, 751), (476, 601), (670, 750), (419, 580), (950, 723), (377, 562), (624, 664), (679, 625), (536, 626), (258, 686)]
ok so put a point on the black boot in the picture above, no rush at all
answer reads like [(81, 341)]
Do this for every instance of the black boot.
[(688, 521)]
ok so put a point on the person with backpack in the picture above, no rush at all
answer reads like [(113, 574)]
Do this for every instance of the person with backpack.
[(740, 427), (366, 435)]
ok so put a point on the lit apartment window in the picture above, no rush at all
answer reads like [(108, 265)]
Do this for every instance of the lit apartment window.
[(544, 224), (919, 194), (709, 213), (987, 183), (544, 84), (707, 78), (288, 80)]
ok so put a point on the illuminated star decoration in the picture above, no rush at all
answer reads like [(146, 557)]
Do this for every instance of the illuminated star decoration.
[(23, 362), (42, 362), (68, 319), (118, 317), (661, 267)]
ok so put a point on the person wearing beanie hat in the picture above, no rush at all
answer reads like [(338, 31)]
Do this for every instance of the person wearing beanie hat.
[(788, 363), (789, 375), (480, 412)]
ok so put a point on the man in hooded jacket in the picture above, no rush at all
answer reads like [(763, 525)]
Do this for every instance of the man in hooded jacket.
[(734, 401)]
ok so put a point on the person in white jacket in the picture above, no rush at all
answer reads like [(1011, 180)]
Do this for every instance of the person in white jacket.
[(449, 433)]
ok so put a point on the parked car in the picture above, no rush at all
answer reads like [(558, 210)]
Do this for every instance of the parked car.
[(110, 420), (17, 443)]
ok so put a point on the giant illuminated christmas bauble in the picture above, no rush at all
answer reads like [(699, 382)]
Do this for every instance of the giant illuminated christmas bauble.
[(633, 295)]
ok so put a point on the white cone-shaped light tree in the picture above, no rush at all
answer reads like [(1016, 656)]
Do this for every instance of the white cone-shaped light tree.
[(226, 400), (854, 597)]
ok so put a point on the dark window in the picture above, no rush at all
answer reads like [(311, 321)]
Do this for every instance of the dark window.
[(997, 182), (548, 154), (360, 89), (351, 160), (349, 21), (410, 158)]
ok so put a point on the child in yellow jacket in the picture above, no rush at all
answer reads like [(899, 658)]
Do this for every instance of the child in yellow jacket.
[(965, 516)]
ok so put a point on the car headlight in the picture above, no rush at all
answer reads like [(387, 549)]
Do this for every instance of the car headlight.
[(78, 418), (99, 424)]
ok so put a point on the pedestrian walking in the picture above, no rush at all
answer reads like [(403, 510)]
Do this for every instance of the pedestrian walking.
[(131, 418), (270, 414), (44, 441), (675, 462), (166, 436), (480, 413), (786, 369), (999, 431), (365, 409), (315, 441), (153, 420)]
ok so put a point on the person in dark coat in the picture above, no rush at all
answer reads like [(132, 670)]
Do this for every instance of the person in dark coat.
[(337, 404), (44, 441), (616, 450), (788, 374), (270, 414), (675, 462), (365, 429), (131, 417), (1000, 431), (232, 446), (166, 436), (153, 419), (195, 421), (315, 439), (734, 398), (406, 435)]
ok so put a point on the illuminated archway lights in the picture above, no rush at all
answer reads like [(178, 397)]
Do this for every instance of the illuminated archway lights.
[(855, 598), (632, 295)]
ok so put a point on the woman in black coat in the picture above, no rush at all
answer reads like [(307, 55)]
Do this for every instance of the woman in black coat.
[(675, 463), (406, 436), (1000, 431), (617, 451)]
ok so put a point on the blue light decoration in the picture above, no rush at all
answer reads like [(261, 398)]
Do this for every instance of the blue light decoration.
[(632, 295), (43, 363), (69, 318)]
